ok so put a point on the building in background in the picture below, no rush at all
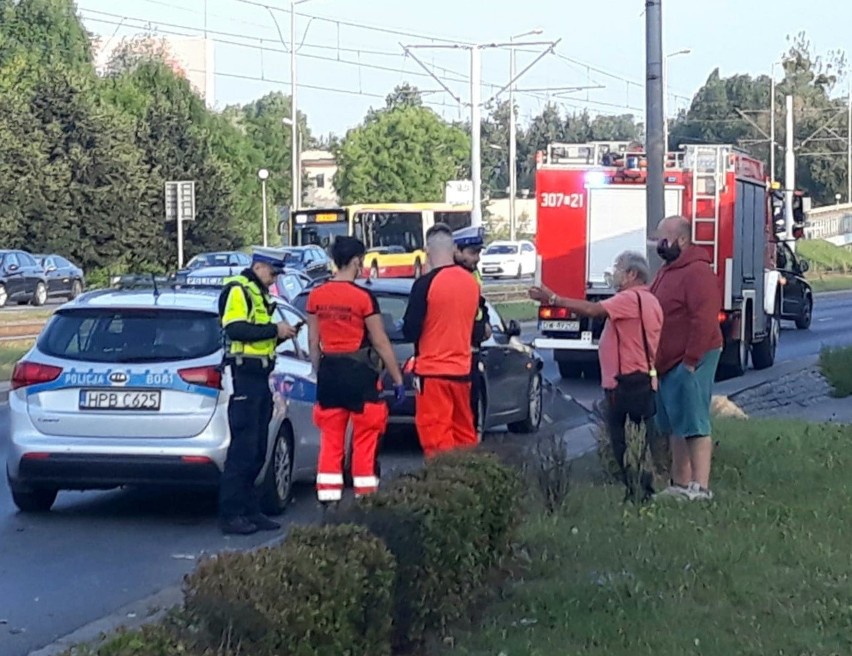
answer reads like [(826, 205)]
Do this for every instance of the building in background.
[(191, 57), (319, 167)]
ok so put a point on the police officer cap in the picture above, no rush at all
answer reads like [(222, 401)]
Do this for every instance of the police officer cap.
[(469, 238), (274, 257)]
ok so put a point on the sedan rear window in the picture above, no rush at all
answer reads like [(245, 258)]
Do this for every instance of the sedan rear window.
[(501, 249), (129, 335)]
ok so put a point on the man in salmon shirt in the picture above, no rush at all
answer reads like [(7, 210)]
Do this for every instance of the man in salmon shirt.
[(690, 346), (628, 343)]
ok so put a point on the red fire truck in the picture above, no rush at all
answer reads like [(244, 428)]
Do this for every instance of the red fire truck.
[(591, 207)]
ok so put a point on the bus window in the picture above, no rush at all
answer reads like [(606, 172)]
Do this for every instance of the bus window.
[(392, 231), (455, 219)]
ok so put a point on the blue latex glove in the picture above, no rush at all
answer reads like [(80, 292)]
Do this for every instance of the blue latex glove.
[(398, 395)]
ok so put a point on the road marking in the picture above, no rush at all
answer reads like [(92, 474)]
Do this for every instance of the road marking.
[(547, 419), (822, 319)]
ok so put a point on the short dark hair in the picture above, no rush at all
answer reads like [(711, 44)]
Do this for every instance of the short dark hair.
[(437, 229), (344, 249)]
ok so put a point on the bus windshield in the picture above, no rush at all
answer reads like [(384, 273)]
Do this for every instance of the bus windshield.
[(319, 227)]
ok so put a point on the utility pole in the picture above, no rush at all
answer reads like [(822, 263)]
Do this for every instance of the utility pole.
[(849, 146), (296, 163), (789, 178), (655, 149), (476, 135)]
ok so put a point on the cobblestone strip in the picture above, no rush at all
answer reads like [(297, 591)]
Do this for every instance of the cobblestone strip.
[(800, 389)]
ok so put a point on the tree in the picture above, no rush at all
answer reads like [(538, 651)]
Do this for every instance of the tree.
[(399, 154), (735, 110)]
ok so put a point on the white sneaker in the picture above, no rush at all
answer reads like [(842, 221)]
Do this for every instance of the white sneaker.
[(680, 492), (697, 493)]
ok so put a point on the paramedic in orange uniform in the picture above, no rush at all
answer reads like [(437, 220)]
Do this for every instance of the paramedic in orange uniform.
[(348, 345), (439, 320)]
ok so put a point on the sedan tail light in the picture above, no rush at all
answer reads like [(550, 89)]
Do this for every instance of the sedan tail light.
[(33, 373), (204, 376), (546, 312)]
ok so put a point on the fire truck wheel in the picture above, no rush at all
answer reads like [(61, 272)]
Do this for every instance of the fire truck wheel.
[(570, 369), (734, 362), (804, 320), (763, 352)]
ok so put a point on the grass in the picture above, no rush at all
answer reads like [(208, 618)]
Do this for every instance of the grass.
[(10, 353), (17, 316), (825, 256), (764, 569), (830, 282), (518, 310), (836, 366)]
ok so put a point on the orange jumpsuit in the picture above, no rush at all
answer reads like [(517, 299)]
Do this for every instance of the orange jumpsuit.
[(439, 320), (348, 389)]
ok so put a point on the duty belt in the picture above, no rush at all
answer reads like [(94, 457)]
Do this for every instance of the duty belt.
[(241, 360)]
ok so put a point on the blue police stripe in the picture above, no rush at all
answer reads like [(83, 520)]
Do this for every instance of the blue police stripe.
[(90, 379)]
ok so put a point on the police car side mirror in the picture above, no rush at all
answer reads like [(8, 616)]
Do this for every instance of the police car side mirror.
[(514, 329)]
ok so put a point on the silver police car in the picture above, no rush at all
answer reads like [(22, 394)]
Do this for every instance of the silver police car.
[(125, 388)]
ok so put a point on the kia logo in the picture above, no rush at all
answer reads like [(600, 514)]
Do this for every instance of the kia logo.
[(118, 378)]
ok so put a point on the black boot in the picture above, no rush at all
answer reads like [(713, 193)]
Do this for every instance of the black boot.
[(263, 522), (237, 526)]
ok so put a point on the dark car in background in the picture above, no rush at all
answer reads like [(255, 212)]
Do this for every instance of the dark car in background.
[(797, 297), (313, 261), (22, 280), (510, 373), (64, 278)]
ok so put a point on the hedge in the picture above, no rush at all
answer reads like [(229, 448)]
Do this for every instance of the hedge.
[(446, 525), (325, 591), (384, 573)]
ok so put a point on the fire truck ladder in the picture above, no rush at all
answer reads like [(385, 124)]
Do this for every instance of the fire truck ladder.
[(708, 168)]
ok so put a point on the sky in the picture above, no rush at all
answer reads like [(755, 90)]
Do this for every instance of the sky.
[(351, 54)]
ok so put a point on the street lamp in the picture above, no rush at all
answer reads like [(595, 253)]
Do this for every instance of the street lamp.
[(513, 138), (685, 51), (263, 175)]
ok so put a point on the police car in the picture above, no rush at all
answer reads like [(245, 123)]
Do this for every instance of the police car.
[(124, 387)]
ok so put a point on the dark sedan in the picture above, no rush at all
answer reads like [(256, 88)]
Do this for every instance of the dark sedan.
[(511, 370), (64, 278), (22, 280), (313, 261), (797, 297)]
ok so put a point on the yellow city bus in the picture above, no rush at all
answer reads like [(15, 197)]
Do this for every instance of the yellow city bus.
[(394, 233)]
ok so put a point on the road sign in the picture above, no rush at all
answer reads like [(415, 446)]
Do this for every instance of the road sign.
[(180, 207), (180, 200), (458, 192)]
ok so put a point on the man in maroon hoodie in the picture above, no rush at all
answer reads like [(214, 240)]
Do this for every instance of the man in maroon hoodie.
[(690, 346)]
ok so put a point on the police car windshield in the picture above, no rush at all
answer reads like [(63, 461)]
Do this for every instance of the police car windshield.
[(130, 335), (502, 249)]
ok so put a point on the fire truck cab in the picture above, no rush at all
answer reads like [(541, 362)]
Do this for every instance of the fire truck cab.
[(591, 207)]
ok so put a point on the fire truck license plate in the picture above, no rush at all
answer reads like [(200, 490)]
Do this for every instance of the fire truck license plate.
[(562, 326)]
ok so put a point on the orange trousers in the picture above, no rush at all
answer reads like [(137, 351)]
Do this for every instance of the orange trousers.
[(443, 416), (367, 427)]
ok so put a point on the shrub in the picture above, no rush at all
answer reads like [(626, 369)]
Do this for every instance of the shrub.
[(496, 486), (553, 470), (155, 640), (836, 366), (325, 591), (435, 530)]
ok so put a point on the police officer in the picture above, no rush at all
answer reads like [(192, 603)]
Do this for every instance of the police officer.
[(246, 313), (469, 242)]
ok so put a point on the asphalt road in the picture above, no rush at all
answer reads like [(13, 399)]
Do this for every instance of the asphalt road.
[(832, 326), (97, 552)]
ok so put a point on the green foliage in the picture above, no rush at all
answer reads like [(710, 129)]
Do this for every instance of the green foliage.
[(446, 525), (403, 153), (737, 110), (836, 366), (325, 591)]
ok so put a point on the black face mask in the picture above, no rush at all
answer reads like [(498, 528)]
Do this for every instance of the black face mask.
[(669, 252)]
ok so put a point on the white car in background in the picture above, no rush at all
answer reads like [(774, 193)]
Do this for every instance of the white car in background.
[(506, 259)]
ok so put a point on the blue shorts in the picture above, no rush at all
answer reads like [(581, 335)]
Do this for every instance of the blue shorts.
[(683, 399)]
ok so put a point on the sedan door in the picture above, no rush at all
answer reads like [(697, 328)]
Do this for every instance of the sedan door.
[(16, 285), (58, 279), (294, 393), (528, 258), (792, 291), (508, 368)]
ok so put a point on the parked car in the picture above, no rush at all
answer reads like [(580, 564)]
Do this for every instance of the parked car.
[(290, 284), (508, 258), (64, 278), (22, 280), (313, 261), (125, 387), (797, 297), (511, 371), (222, 259)]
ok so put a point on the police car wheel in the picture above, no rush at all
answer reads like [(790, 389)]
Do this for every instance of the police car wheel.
[(278, 483)]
